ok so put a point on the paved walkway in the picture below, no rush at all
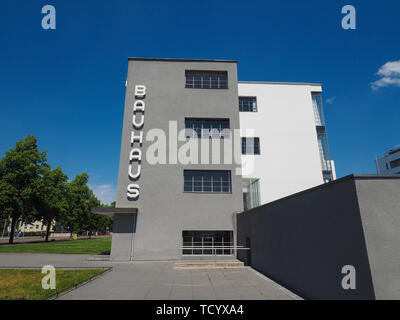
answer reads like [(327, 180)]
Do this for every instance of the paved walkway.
[(157, 280)]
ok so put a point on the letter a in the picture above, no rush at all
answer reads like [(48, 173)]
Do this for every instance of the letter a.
[(49, 280), (138, 106), (349, 280), (49, 20), (349, 20)]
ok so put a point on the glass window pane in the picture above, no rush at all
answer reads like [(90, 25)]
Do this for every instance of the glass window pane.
[(206, 79), (207, 181), (203, 127), (251, 145), (248, 104)]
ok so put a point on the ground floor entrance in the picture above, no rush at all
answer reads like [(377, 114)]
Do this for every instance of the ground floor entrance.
[(207, 242)]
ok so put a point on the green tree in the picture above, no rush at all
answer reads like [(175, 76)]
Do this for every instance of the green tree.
[(52, 203), (20, 170), (77, 194), (79, 215), (91, 222)]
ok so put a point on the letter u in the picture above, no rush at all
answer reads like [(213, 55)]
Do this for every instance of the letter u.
[(136, 175), (136, 124)]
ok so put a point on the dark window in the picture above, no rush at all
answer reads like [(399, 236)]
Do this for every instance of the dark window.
[(206, 79), (215, 181), (395, 163), (250, 145), (206, 128), (247, 104), (207, 242)]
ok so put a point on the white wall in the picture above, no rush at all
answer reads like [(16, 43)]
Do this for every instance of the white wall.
[(289, 161), (381, 164)]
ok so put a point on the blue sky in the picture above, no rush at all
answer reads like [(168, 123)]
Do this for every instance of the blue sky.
[(66, 86)]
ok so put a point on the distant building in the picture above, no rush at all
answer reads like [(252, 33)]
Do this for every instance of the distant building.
[(389, 163), (35, 226)]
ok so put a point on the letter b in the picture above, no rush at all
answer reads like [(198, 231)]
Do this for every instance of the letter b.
[(140, 91)]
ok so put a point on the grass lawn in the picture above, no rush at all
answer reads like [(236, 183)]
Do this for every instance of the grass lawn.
[(84, 246), (17, 284)]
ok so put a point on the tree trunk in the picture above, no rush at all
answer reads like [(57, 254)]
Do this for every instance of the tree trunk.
[(48, 230), (70, 235), (13, 222)]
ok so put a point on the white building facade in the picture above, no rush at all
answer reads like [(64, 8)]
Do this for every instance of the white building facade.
[(389, 163), (283, 128)]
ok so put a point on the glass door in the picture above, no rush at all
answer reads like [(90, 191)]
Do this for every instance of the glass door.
[(207, 244)]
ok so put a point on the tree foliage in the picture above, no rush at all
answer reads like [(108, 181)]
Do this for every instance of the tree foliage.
[(52, 201), (20, 172), (31, 191)]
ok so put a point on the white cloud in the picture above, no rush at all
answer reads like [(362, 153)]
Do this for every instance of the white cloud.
[(391, 68), (330, 100), (385, 82), (390, 75), (104, 192)]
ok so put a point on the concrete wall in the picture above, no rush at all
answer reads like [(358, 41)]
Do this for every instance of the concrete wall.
[(164, 210), (304, 240), (379, 201), (289, 161), (122, 237)]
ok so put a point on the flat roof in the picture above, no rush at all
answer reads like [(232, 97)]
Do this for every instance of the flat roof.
[(393, 151), (221, 60), (288, 83), (180, 60)]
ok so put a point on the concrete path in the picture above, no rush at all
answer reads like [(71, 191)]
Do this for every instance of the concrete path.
[(157, 280)]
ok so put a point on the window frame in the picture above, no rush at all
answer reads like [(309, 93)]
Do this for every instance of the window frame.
[(202, 74), (394, 163), (193, 189), (249, 97), (211, 120), (254, 144)]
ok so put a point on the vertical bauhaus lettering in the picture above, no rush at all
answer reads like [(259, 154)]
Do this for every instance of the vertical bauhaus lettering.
[(135, 155)]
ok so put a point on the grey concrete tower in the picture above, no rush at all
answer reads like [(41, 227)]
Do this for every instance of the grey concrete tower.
[(153, 229)]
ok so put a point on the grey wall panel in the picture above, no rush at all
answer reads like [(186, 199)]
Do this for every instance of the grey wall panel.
[(164, 209), (380, 211), (303, 241)]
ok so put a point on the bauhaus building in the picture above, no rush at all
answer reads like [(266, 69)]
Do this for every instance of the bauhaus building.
[(198, 147)]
